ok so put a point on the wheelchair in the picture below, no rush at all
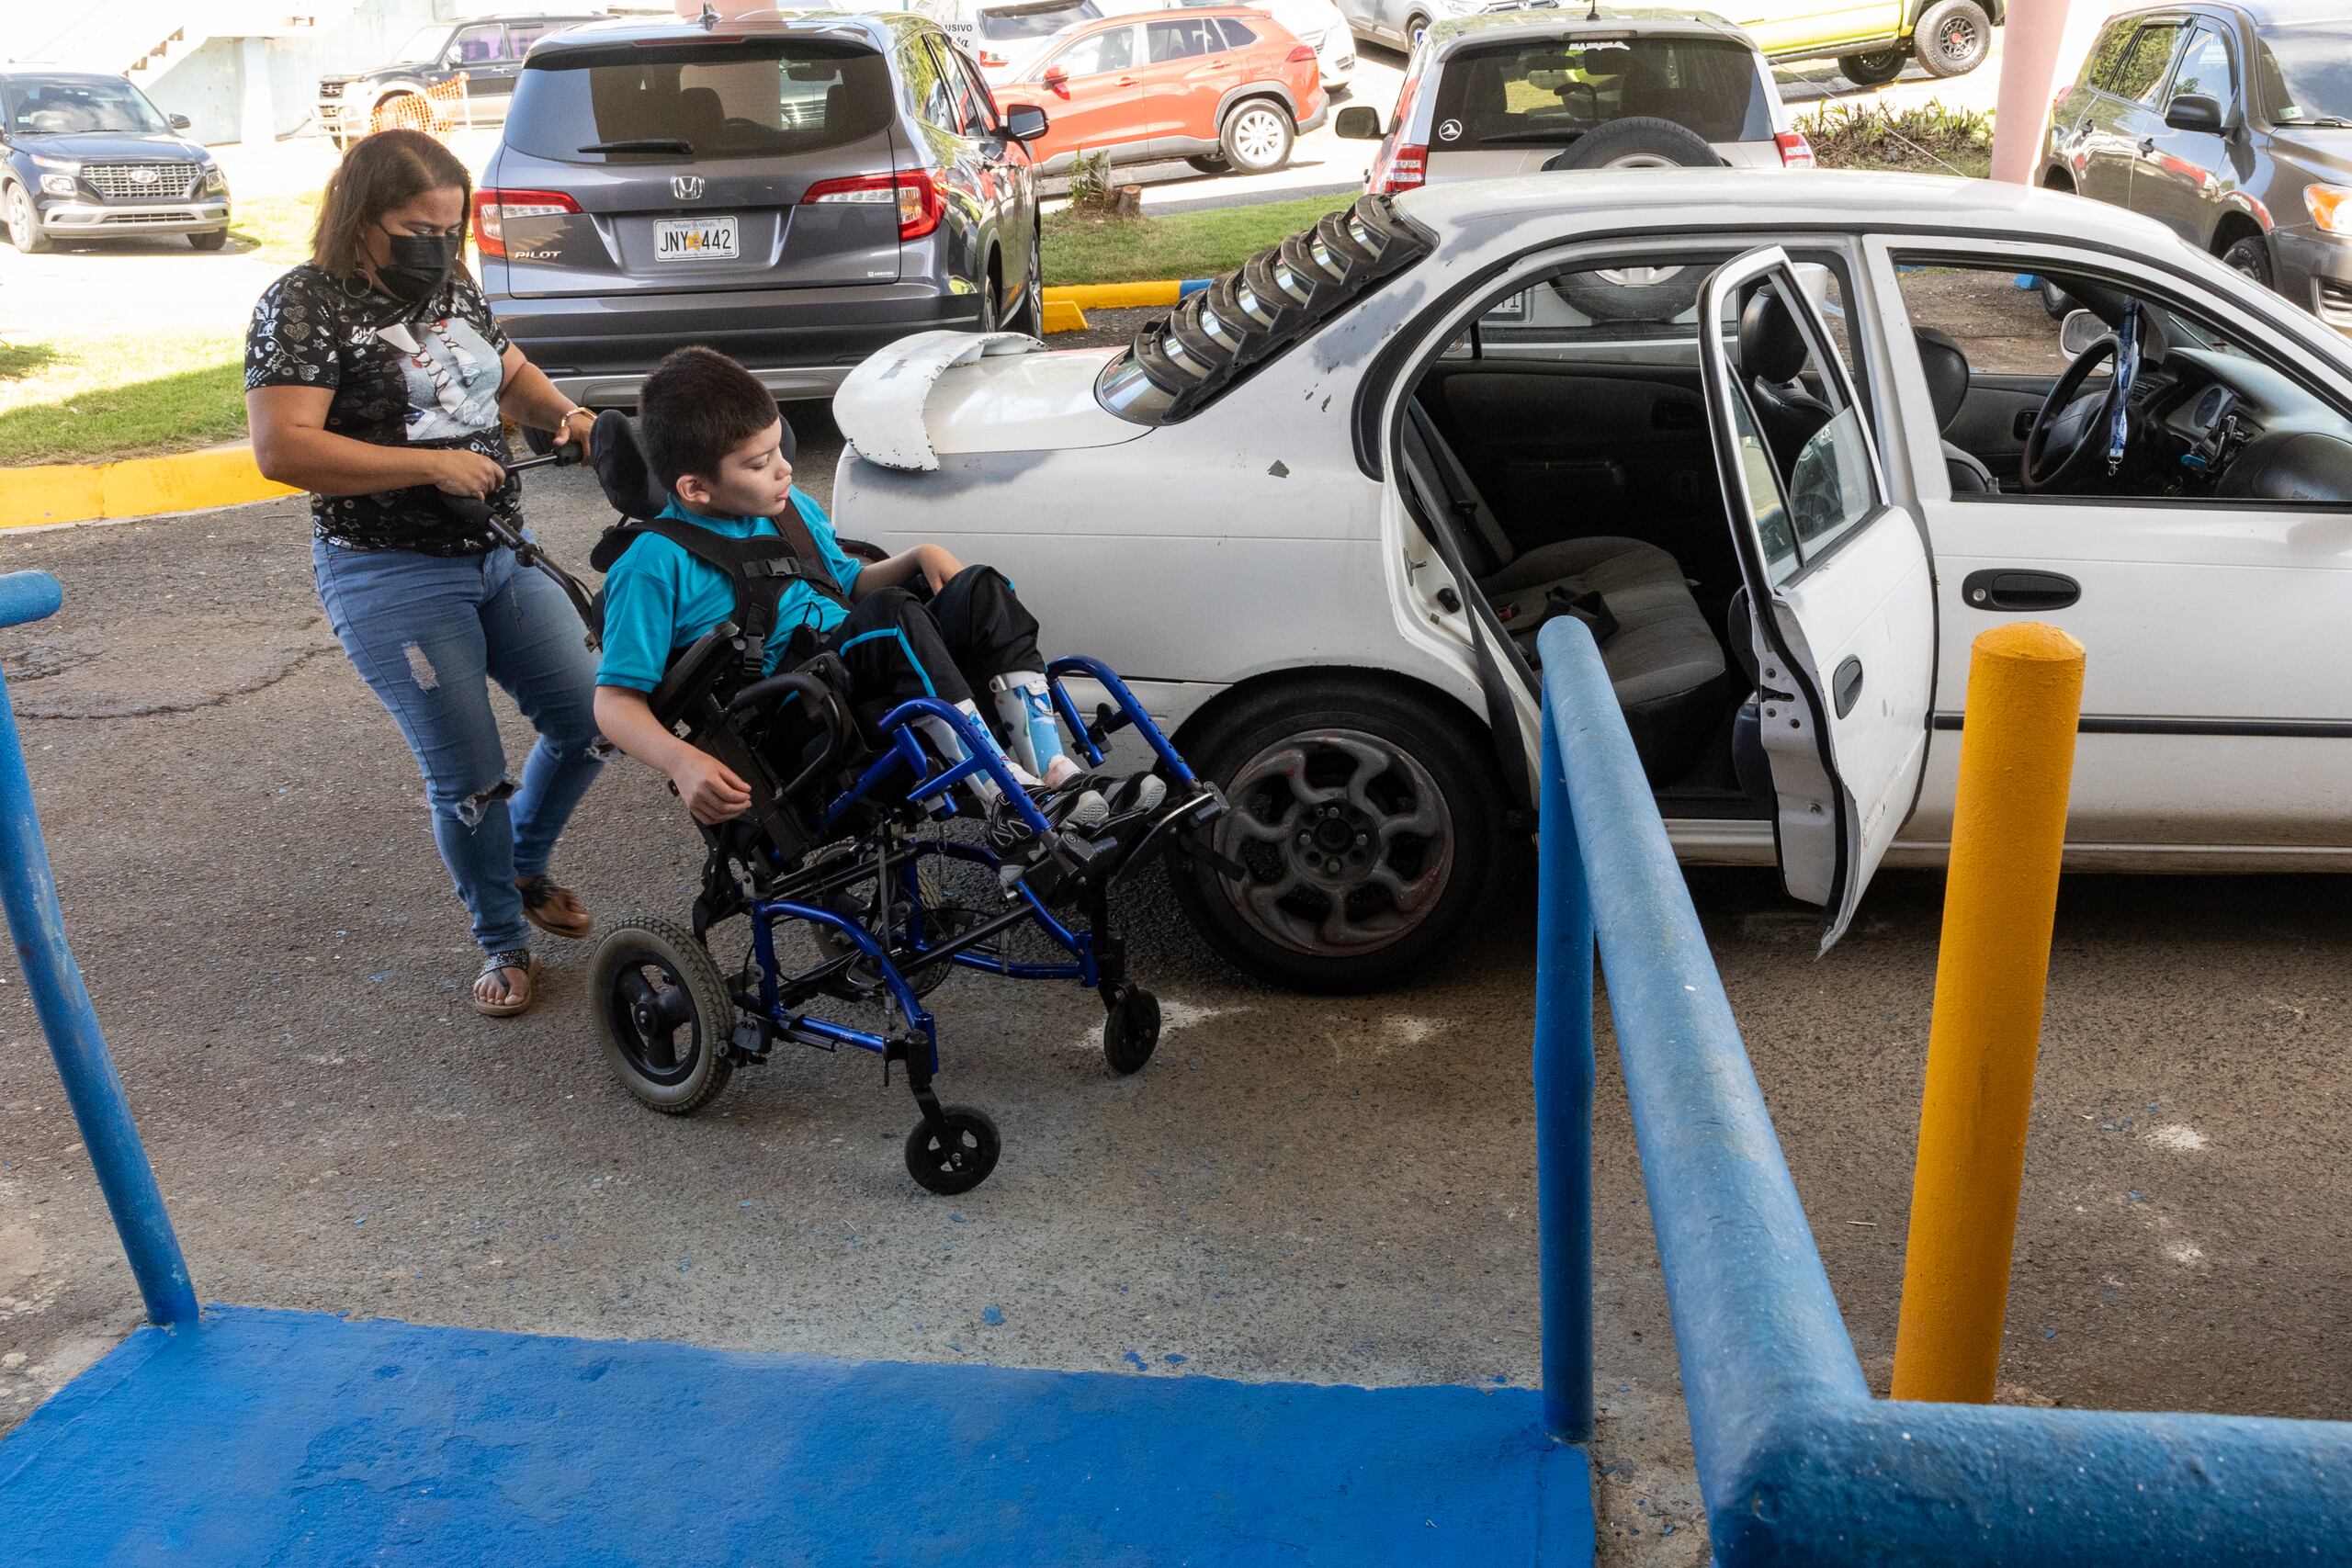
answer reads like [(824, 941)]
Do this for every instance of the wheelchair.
[(847, 838)]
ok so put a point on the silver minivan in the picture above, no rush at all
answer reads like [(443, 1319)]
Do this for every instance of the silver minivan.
[(1515, 92)]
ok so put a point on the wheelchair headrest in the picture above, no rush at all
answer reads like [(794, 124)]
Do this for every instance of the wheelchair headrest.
[(621, 468), (628, 475)]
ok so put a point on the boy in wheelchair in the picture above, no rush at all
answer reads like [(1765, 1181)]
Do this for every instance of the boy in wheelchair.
[(917, 624)]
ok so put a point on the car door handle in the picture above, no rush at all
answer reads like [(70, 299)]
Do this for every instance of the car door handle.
[(1126, 81), (1847, 685), (2005, 588), (2148, 145)]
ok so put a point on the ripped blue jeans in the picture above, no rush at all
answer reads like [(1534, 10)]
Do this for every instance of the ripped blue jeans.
[(428, 633)]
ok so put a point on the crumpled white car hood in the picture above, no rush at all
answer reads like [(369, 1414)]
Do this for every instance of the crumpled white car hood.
[(942, 392)]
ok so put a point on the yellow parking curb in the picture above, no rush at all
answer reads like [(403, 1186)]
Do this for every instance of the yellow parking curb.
[(138, 487), (1061, 316), (1114, 296)]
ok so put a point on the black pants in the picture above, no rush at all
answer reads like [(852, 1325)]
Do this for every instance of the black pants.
[(900, 643)]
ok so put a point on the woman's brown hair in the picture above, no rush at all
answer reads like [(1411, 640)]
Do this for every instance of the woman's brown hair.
[(387, 169)]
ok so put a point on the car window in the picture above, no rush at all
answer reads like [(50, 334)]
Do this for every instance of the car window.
[(718, 97), (1238, 34), (1547, 92), (2179, 440), (975, 111), (2306, 72), (1112, 49), (1180, 39), (1643, 310), (479, 45), (1810, 479), (929, 92), (63, 106), (2205, 68), (2140, 69), (1018, 22), (521, 36)]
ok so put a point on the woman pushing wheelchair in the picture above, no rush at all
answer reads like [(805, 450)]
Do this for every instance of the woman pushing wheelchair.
[(375, 379)]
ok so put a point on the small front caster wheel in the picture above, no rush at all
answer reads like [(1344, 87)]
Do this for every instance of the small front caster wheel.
[(1131, 1032), (960, 1159)]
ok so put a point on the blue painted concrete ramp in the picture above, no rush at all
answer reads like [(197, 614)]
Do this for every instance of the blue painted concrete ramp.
[(292, 1438)]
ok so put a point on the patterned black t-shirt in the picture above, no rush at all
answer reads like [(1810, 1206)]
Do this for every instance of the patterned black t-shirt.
[(429, 382)]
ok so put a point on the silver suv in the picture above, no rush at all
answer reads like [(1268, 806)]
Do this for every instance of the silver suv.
[(796, 192), (1515, 92)]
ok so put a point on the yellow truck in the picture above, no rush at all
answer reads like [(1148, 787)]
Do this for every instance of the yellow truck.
[(1872, 40)]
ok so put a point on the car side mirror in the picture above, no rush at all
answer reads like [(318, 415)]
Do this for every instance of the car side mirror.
[(1024, 122), (2194, 111), (180, 121), (1358, 123), (2078, 331), (1056, 82)]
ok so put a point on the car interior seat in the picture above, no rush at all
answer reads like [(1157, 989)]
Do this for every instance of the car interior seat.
[(1947, 371), (1772, 354), (1486, 100), (1664, 659), (700, 118)]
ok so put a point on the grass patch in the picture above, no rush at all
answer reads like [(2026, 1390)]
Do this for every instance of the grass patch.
[(275, 228), (1079, 248), (105, 397), (1928, 138)]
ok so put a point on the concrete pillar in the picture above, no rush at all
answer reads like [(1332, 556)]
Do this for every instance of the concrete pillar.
[(2032, 40), (258, 123)]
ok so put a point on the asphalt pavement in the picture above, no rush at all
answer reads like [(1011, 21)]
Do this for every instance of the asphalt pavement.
[(1296, 1187)]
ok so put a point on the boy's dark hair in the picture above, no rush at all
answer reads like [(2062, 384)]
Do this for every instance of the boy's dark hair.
[(697, 406)]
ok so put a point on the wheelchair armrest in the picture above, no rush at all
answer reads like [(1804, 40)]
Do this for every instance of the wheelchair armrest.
[(691, 672), (822, 697), (858, 550)]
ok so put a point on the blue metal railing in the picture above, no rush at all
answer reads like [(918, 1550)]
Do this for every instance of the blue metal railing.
[(1797, 1462), (28, 892)]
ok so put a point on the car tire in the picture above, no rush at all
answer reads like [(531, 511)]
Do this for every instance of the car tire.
[(1638, 142), (1414, 25), (1029, 316), (1873, 70), (1257, 137), (1211, 166), (2055, 301), (2252, 257), (1418, 809), (210, 240), (1953, 38), (24, 222)]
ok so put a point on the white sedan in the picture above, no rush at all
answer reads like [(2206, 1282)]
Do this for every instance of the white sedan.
[(1318, 511)]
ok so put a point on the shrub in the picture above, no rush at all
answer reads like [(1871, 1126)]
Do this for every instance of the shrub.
[(1930, 136)]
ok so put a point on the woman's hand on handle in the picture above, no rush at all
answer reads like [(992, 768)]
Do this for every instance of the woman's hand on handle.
[(463, 472)]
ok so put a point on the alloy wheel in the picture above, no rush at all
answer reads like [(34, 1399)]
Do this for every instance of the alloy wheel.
[(1257, 137), (1347, 840), (1957, 39)]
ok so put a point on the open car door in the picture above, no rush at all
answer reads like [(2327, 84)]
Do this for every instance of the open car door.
[(1838, 577)]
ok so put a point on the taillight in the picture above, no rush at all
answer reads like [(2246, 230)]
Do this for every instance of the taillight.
[(1303, 55), (921, 203), (1796, 152), (1403, 169), (494, 206)]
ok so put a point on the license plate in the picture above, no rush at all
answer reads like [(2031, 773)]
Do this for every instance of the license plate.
[(695, 238)]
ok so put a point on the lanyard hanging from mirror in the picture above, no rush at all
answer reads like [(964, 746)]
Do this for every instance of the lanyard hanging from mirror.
[(2127, 369)]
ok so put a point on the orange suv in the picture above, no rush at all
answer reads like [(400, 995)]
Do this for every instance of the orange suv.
[(1224, 89)]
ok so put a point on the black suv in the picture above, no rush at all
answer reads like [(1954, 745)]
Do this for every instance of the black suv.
[(486, 51), (84, 156), (796, 191), (2230, 124)]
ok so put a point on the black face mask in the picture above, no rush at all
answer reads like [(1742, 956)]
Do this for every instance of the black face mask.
[(417, 266)]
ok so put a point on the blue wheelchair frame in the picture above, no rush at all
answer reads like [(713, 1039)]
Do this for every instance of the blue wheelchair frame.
[(931, 788)]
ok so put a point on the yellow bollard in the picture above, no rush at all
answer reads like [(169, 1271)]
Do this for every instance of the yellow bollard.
[(2016, 758)]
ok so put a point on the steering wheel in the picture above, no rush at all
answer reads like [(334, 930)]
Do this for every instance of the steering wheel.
[(2067, 436)]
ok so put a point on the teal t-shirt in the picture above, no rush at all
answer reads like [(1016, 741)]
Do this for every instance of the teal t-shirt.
[(659, 599)]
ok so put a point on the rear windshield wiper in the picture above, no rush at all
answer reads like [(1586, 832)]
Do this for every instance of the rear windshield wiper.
[(1557, 134), (642, 144)]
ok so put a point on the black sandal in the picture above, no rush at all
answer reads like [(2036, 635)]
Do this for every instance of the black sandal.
[(518, 997)]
